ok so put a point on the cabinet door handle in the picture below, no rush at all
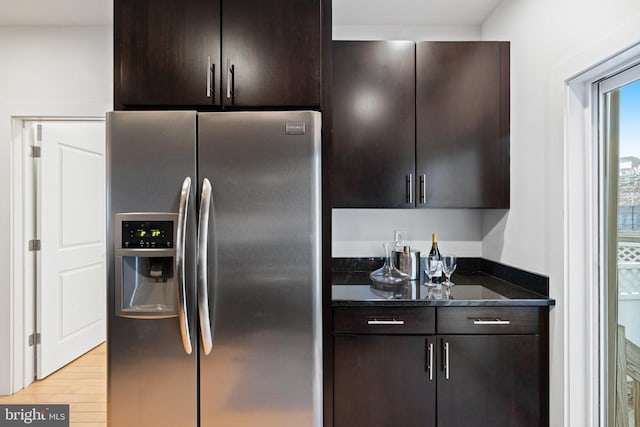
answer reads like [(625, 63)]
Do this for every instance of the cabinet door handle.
[(445, 359), (385, 322), (409, 188), (213, 79), (208, 77), (430, 360), (423, 189), (230, 82), (497, 321)]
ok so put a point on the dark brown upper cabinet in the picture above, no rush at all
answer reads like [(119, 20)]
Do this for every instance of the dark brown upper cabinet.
[(462, 111), (423, 125), (217, 53), (373, 160), (166, 52), (271, 52)]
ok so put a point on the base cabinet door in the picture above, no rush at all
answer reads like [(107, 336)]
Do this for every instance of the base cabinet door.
[(489, 380), (384, 380)]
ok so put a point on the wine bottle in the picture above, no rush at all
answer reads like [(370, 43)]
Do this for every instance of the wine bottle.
[(435, 252)]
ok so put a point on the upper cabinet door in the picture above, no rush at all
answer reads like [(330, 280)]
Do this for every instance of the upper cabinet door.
[(167, 52), (373, 161), (462, 113), (271, 53)]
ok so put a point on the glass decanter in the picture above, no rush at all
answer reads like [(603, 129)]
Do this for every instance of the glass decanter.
[(388, 276)]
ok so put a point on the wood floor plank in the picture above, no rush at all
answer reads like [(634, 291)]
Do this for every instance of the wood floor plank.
[(89, 407), (81, 384), (86, 417), (77, 388)]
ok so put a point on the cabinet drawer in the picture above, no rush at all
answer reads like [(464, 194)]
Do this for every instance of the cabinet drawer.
[(384, 320), (488, 320)]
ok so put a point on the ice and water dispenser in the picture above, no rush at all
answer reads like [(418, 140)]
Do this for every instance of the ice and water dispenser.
[(145, 254)]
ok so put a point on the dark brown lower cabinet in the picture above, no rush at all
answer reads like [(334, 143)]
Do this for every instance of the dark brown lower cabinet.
[(490, 380), (473, 366), (383, 381)]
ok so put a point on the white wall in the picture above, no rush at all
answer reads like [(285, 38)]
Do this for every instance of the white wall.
[(46, 71), (360, 232), (550, 40)]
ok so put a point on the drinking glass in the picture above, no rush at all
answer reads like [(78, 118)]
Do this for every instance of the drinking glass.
[(430, 264), (448, 267), (438, 293)]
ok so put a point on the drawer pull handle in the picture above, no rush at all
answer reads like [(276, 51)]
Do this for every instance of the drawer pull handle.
[(385, 322), (491, 322)]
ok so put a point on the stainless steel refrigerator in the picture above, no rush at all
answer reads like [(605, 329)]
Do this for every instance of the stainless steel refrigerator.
[(214, 277)]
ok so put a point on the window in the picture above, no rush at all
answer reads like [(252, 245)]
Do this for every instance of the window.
[(619, 130)]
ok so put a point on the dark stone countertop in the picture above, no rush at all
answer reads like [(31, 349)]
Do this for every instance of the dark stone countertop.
[(472, 288)]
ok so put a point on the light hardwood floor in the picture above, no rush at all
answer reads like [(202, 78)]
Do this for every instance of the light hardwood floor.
[(81, 384)]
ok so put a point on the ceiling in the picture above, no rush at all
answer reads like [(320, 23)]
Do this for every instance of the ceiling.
[(345, 12), (412, 12)]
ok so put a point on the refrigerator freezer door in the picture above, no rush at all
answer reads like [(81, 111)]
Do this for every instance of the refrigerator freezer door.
[(264, 269), (152, 381)]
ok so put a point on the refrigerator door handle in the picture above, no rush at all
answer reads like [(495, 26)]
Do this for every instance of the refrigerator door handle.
[(203, 286), (180, 255)]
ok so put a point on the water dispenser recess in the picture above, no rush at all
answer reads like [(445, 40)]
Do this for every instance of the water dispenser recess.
[(145, 254)]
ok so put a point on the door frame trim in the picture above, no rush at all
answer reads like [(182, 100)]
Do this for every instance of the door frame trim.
[(23, 303)]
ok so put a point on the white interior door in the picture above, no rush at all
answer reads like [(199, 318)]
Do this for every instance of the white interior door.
[(71, 283)]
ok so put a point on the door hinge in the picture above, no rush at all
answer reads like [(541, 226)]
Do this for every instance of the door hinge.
[(36, 151), (35, 245), (34, 339)]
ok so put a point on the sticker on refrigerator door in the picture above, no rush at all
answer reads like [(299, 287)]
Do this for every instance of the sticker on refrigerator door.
[(34, 415), (295, 129)]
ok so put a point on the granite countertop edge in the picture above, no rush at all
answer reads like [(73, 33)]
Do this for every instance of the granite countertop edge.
[(514, 294), (543, 302)]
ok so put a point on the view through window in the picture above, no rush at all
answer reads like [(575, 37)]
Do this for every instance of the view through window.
[(622, 136)]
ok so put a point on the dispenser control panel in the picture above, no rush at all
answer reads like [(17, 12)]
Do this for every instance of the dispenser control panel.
[(147, 234)]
